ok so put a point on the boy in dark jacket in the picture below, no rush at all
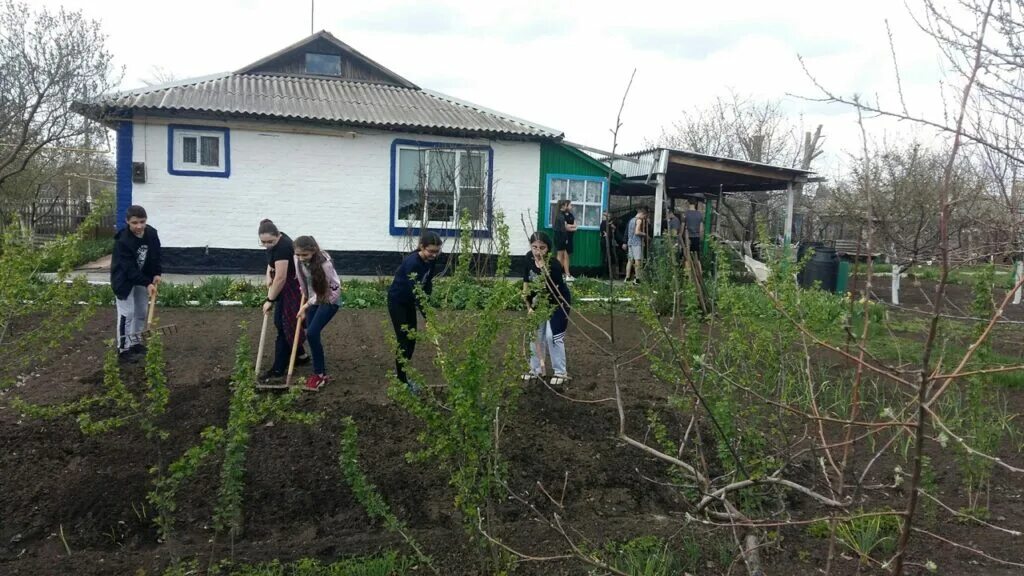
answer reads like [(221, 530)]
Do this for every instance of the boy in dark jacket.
[(134, 276)]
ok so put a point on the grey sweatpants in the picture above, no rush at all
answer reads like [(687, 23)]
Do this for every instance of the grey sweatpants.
[(131, 317), (545, 339)]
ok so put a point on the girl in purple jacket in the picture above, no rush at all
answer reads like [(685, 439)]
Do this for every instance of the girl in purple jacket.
[(322, 288)]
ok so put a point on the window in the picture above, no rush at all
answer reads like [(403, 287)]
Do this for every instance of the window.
[(587, 194), (323, 64), (198, 151), (435, 182)]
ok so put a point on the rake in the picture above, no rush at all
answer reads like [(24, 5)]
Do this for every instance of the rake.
[(149, 331)]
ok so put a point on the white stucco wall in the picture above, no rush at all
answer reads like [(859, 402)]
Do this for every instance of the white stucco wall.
[(333, 184)]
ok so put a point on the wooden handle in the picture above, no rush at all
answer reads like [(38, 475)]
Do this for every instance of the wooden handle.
[(152, 311), (263, 339), (295, 344)]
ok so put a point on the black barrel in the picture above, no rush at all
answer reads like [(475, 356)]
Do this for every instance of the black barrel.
[(801, 251), (823, 267)]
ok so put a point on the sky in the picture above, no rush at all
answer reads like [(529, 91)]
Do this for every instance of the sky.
[(565, 64)]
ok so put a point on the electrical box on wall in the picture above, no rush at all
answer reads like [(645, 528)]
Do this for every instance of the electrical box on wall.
[(139, 172)]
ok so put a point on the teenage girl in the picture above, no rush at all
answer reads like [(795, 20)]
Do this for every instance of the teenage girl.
[(283, 296), (321, 286), (551, 332), (417, 268), (564, 227)]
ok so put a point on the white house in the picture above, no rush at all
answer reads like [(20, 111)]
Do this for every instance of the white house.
[(325, 142)]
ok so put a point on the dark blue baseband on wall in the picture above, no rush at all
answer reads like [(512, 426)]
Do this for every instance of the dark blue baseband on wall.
[(254, 261)]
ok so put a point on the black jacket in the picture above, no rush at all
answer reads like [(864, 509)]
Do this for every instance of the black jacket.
[(401, 291), (129, 251)]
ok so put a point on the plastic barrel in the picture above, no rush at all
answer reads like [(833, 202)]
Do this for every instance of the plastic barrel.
[(801, 251), (823, 267)]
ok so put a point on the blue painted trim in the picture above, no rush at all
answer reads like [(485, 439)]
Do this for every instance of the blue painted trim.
[(226, 173), (123, 199), (547, 195), (443, 232)]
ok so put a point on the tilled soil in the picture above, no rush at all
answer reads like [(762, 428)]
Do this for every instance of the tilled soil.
[(61, 491)]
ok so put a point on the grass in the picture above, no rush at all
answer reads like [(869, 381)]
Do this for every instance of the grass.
[(960, 275), (89, 250)]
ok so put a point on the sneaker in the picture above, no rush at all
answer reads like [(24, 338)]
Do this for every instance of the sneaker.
[(560, 379), (413, 388), (302, 359), (270, 375), (139, 349), (531, 376), (315, 382), (570, 278)]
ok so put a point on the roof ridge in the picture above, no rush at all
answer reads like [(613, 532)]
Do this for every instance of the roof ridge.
[(311, 78)]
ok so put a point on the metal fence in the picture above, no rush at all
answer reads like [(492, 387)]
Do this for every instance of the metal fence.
[(52, 217)]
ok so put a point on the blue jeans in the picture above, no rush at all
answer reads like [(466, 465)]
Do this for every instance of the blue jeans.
[(317, 316)]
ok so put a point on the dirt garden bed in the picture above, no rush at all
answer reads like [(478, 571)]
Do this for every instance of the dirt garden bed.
[(71, 504)]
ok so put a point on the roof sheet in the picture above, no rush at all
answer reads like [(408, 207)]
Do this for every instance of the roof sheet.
[(327, 100)]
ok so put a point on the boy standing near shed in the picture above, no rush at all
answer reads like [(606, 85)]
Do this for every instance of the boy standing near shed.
[(135, 270)]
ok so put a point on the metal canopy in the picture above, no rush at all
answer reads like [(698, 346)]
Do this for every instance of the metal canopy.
[(672, 173), (689, 174)]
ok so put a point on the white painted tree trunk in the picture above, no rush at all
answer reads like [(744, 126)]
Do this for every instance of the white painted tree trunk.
[(1018, 272), (896, 272)]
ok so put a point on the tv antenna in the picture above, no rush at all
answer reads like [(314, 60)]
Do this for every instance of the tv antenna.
[(312, 5)]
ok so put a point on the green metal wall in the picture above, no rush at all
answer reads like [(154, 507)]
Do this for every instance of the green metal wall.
[(560, 159)]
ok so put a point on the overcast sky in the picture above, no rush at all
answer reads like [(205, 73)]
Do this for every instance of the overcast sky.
[(563, 63)]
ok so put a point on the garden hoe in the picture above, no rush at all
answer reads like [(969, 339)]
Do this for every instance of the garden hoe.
[(295, 346), (259, 351)]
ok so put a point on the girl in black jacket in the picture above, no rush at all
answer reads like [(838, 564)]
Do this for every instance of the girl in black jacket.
[(417, 268)]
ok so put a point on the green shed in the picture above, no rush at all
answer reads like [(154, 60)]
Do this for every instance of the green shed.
[(566, 172)]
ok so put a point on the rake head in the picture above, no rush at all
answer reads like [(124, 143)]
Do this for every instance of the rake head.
[(164, 330)]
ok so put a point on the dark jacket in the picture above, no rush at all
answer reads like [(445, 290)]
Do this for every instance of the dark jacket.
[(401, 291), (129, 251)]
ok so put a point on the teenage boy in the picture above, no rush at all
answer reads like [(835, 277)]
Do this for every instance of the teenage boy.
[(134, 276), (636, 237)]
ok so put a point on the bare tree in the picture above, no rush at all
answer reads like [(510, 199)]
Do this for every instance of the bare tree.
[(48, 61), (159, 75), (980, 41)]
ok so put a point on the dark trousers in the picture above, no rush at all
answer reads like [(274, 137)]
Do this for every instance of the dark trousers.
[(403, 319), (317, 316), (609, 254), (284, 320)]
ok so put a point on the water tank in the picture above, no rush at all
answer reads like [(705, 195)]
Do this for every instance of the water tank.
[(823, 267), (801, 251)]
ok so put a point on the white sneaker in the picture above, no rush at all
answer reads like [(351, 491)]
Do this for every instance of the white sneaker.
[(570, 279)]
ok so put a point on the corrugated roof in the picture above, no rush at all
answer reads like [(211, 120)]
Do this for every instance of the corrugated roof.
[(647, 160), (327, 100)]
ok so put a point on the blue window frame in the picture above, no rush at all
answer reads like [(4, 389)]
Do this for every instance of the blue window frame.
[(432, 182), (198, 151), (589, 196)]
